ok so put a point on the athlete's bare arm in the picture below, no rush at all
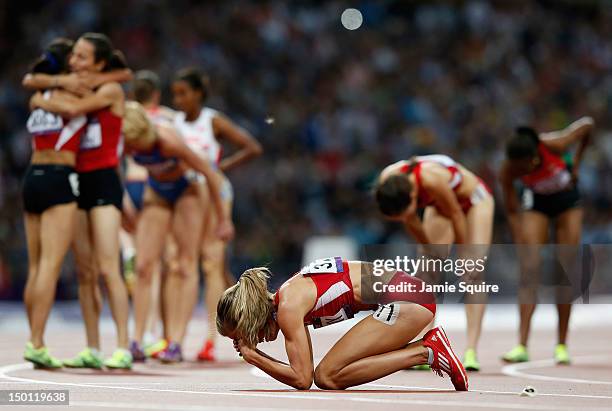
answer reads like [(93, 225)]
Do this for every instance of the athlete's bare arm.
[(446, 202), (69, 82), (248, 147), (414, 226), (559, 141), (80, 84), (511, 202), (70, 106), (173, 145), (95, 80), (299, 373)]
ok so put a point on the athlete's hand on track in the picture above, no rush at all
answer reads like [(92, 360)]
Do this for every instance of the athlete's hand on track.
[(225, 230)]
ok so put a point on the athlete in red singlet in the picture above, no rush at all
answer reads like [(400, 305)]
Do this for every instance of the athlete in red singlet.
[(323, 293), (458, 208), (550, 196), (50, 190), (101, 146), (101, 191)]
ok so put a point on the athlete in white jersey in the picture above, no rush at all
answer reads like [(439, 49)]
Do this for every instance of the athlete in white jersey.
[(203, 128), (199, 134)]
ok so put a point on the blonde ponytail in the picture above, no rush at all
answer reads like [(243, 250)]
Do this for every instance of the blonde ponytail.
[(245, 308), (136, 126)]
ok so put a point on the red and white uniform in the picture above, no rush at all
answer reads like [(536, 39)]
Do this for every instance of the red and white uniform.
[(199, 134), (335, 299), (552, 176), (102, 144), (454, 183), (53, 132)]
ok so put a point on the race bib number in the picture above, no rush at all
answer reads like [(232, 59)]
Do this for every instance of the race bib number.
[(331, 265), (41, 122), (345, 313), (527, 199), (92, 137), (73, 179), (387, 314)]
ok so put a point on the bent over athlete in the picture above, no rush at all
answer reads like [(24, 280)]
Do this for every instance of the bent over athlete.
[(323, 293)]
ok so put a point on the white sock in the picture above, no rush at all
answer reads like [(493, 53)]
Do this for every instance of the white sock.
[(431, 356)]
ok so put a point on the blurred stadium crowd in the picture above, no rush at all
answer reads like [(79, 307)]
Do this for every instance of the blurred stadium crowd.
[(417, 77)]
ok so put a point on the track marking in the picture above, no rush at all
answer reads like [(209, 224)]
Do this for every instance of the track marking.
[(289, 395), (158, 406), (260, 374), (515, 370), (305, 396)]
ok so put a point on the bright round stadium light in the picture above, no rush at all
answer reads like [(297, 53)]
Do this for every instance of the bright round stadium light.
[(351, 19)]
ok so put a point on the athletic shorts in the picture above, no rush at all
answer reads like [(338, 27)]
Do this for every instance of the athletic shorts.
[(423, 298), (551, 205), (45, 186), (100, 188), (480, 193), (170, 191), (135, 190)]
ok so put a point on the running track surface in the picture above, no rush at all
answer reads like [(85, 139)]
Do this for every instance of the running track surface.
[(232, 384)]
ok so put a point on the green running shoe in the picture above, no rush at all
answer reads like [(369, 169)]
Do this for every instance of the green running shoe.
[(87, 358), (470, 362), (561, 355), (153, 350), (422, 367), (40, 357), (121, 360), (517, 354)]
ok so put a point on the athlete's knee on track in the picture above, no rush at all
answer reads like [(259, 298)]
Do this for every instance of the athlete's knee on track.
[(324, 378)]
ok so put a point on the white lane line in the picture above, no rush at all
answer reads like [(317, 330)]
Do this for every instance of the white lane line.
[(288, 395), (158, 406), (516, 370), (596, 397), (260, 374), (297, 395)]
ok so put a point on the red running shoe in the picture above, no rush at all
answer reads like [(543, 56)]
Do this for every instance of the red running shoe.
[(207, 353), (445, 359)]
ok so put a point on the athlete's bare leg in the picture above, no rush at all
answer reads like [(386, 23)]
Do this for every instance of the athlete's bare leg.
[(53, 249), (480, 233), (361, 355), (154, 310), (32, 227), (105, 223), (151, 232), (171, 290), (90, 297), (187, 229), (569, 229), (213, 262), (535, 232), (439, 230)]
